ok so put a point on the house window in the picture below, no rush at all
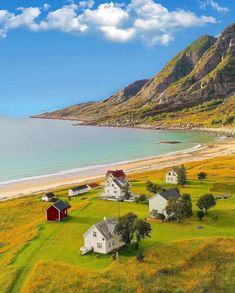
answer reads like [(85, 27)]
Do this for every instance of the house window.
[(115, 191), (94, 234), (99, 245), (113, 242), (109, 244)]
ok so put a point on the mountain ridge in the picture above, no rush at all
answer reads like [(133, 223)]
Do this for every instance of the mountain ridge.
[(202, 72)]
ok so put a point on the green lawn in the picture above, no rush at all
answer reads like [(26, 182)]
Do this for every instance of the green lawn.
[(29, 241)]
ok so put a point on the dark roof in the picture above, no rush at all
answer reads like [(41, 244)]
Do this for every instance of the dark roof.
[(175, 169), (60, 205), (117, 173), (169, 193), (50, 194), (106, 227), (77, 188), (120, 182)]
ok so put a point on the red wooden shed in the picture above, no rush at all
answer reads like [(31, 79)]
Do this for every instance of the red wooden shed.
[(58, 211)]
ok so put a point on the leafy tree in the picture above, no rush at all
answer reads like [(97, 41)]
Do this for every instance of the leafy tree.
[(180, 208), (141, 199), (206, 202), (202, 176), (156, 215), (143, 230), (200, 215), (152, 187), (126, 228), (130, 227), (182, 175), (188, 209)]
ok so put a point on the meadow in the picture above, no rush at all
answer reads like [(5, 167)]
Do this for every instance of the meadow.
[(36, 256)]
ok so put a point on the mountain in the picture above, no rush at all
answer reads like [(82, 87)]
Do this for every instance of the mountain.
[(203, 75)]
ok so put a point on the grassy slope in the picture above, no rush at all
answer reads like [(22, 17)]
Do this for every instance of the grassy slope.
[(36, 256)]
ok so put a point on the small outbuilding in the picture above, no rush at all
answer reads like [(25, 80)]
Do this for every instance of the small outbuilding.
[(48, 196), (58, 211), (79, 190), (172, 175)]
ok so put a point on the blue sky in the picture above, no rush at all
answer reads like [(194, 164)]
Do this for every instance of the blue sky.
[(59, 53)]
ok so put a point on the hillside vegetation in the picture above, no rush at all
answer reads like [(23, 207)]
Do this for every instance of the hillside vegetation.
[(36, 256), (201, 74)]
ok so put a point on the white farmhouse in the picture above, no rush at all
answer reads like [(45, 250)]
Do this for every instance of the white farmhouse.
[(172, 176), (101, 237), (117, 186), (79, 190), (48, 196), (159, 201)]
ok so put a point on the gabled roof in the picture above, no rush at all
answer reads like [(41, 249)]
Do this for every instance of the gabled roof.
[(49, 194), (175, 169), (116, 173), (60, 205), (77, 188), (169, 193), (120, 182), (106, 228)]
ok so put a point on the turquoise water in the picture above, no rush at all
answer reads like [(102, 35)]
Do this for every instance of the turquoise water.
[(35, 147)]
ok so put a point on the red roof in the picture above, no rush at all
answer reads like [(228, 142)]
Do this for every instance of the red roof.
[(94, 185), (117, 173)]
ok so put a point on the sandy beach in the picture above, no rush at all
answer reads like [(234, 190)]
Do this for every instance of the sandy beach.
[(44, 183)]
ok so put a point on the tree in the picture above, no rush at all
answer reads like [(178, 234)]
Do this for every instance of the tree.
[(206, 202), (180, 208), (152, 187), (141, 199), (188, 209), (182, 175), (130, 227), (143, 230), (155, 214), (126, 228), (200, 215), (202, 176)]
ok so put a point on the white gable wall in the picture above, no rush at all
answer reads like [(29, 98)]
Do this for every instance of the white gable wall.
[(159, 203), (111, 189), (171, 177), (98, 243)]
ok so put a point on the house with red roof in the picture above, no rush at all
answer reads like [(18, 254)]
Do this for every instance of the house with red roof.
[(117, 186)]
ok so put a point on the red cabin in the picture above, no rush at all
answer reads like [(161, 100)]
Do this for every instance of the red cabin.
[(58, 211)]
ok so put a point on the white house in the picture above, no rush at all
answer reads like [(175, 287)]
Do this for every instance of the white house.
[(117, 186), (172, 176), (48, 196), (101, 237), (159, 201), (79, 190)]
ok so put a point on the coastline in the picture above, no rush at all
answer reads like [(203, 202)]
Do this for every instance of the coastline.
[(29, 186)]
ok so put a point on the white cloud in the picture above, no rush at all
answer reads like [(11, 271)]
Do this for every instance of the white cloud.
[(214, 5), (140, 19)]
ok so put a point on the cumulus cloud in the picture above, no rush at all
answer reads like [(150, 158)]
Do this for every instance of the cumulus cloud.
[(214, 5), (140, 19)]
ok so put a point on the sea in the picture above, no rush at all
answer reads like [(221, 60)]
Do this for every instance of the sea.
[(31, 148)]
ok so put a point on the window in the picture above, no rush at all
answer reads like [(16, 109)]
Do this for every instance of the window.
[(109, 244), (94, 234), (113, 242), (115, 191), (99, 245)]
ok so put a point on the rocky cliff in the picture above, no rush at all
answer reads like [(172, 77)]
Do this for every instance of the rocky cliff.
[(201, 73)]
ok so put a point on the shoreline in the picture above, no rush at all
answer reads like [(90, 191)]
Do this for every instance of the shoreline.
[(45, 183), (220, 131)]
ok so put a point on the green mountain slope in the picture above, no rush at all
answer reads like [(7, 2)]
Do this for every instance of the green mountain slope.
[(203, 72)]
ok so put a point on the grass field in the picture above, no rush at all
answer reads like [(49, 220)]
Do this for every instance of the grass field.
[(36, 256)]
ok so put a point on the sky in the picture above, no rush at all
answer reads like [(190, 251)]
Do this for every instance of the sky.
[(60, 53)]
